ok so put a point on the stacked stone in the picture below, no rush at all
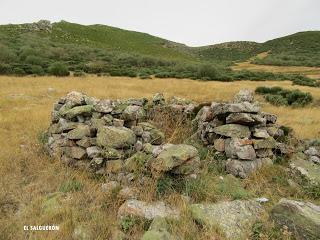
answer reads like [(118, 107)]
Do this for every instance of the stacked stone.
[(241, 131), (113, 136)]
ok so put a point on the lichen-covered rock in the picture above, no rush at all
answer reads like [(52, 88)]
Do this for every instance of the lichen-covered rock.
[(136, 162), (104, 106), (260, 133), (115, 137), (233, 130), (245, 119), (264, 143), (244, 95), (158, 99), (147, 210), (234, 219), (85, 110), (111, 153), (133, 112), (219, 144), (79, 132), (301, 218), (175, 156)]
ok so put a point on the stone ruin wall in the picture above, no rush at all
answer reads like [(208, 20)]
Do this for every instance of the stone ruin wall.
[(115, 137)]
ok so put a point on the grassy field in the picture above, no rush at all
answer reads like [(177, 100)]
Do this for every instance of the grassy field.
[(28, 175)]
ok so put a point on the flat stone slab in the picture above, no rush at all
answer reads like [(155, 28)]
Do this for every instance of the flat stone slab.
[(234, 218)]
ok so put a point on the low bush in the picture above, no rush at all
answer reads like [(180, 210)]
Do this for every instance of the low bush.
[(59, 69), (282, 97)]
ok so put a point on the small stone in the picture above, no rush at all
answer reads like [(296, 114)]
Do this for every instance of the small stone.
[(118, 122), (219, 144), (93, 152), (158, 99), (260, 133), (315, 159), (312, 151), (134, 112)]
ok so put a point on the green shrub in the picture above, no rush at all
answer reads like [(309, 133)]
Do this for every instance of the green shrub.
[(38, 70), (209, 72), (18, 71), (5, 68), (282, 97), (276, 100), (59, 69)]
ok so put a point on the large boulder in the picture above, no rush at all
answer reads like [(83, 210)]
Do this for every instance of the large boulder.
[(173, 157), (233, 130), (226, 108), (301, 218), (234, 218), (115, 137), (146, 210)]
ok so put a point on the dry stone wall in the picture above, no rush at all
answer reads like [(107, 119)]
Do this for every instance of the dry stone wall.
[(241, 131), (115, 137)]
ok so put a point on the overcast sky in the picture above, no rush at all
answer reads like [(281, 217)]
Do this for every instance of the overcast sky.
[(195, 23)]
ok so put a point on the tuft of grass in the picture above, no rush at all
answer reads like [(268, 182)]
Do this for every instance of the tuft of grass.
[(71, 186)]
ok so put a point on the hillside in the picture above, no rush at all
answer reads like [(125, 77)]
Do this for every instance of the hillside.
[(299, 49), (59, 48)]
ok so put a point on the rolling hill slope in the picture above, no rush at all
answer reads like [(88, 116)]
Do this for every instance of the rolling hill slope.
[(35, 49)]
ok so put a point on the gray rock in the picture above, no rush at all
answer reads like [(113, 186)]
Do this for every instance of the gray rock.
[(219, 144), (312, 151), (233, 130), (158, 99), (315, 159), (245, 119), (174, 156), (147, 210), (104, 106), (244, 95), (264, 143), (260, 133), (243, 169), (115, 137), (93, 152), (271, 118), (79, 132), (134, 112), (240, 148), (301, 218), (234, 219), (225, 108)]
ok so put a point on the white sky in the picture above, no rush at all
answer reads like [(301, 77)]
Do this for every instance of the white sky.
[(194, 23)]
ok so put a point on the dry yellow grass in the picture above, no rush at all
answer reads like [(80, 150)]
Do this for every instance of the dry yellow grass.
[(27, 175)]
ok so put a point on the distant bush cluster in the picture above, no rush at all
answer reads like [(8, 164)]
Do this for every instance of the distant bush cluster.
[(283, 97)]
